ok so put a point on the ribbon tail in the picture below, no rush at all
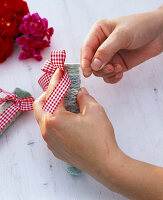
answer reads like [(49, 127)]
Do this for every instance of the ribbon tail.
[(57, 95), (8, 115), (44, 81)]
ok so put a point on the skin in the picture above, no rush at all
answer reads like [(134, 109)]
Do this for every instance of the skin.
[(121, 44), (80, 140)]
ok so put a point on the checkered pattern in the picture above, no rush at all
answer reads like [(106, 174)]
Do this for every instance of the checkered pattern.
[(23, 104), (57, 61)]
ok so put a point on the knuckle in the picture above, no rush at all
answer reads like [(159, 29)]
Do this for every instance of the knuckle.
[(98, 25), (96, 107), (35, 104), (81, 97), (121, 31), (99, 22), (54, 121), (124, 33), (102, 51)]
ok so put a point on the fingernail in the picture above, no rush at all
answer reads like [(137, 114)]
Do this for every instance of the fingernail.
[(87, 74), (83, 90), (118, 68), (96, 64)]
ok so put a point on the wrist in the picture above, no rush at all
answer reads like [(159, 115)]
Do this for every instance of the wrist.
[(110, 171), (161, 7), (135, 179), (159, 17)]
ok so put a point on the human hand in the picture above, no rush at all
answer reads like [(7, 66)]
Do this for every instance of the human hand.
[(85, 140), (116, 45)]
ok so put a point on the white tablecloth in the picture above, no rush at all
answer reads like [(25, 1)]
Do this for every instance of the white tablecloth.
[(28, 170)]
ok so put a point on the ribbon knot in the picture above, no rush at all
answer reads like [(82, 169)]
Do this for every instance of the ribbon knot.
[(57, 61), (23, 104)]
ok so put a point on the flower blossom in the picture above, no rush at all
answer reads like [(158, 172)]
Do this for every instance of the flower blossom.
[(36, 36)]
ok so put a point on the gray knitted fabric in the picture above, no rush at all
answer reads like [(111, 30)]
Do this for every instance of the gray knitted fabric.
[(70, 97), (21, 94), (70, 101)]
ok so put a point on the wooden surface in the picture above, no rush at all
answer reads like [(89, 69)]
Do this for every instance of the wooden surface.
[(28, 169)]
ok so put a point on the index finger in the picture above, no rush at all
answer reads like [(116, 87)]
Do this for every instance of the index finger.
[(53, 83), (97, 35), (38, 104)]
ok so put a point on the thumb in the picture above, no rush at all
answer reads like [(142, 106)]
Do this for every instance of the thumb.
[(108, 49), (84, 99)]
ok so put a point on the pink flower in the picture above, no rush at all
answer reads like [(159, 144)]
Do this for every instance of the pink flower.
[(36, 36)]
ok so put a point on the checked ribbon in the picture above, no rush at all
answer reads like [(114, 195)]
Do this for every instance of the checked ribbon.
[(23, 104), (57, 61)]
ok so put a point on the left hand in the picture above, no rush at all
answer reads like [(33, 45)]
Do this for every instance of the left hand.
[(85, 140)]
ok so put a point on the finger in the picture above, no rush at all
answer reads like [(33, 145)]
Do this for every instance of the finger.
[(108, 49), (97, 35), (109, 70), (86, 57), (53, 83), (114, 79), (38, 104), (84, 99), (37, 107), (101, 74)]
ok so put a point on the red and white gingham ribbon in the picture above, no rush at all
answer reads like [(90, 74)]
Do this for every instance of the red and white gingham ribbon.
[(57, 61), (23, 104)]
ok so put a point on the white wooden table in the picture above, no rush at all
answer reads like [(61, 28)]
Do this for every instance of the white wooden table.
[(28, 170)]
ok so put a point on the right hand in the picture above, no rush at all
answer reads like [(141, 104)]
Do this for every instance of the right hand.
[(115, 46)]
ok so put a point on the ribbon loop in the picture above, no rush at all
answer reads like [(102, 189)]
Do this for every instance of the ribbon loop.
[(48, 67), (9, 96), (23, 104), (57, 61), (58, 58)]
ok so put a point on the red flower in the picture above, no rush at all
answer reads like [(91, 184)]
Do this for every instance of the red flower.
[(6, 48), (12, 12), (18, 6), (11, 15), (8, 25)]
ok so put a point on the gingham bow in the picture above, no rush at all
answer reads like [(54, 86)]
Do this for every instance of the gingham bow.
[(23, 104), (57, 61)]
